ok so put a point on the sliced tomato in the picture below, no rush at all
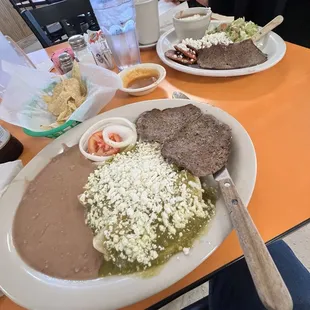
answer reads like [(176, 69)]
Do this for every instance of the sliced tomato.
[(115, 137), (97, 146)]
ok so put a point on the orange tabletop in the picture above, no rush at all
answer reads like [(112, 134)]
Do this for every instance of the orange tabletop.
[(274, 107)]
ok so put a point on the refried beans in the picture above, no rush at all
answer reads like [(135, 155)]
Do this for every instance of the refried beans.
[(49, 229)]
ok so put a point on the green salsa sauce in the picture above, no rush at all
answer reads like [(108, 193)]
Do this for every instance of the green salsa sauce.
[(190, 233), (173, 246)]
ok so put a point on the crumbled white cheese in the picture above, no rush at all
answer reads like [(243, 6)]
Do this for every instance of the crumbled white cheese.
[(208, 40), (215, 39), (197, 44), (135, 199)]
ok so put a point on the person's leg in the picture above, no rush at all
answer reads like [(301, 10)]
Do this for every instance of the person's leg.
[(233, 288)]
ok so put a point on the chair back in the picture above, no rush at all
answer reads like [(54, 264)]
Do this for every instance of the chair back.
[(20, 4), (63, 10), (37, 19)]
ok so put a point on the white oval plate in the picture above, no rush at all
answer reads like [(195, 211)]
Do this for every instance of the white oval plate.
[(34, 290), (275, 49)]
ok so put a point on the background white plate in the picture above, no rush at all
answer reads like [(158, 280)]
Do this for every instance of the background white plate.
[(35, 290), (275, 49)]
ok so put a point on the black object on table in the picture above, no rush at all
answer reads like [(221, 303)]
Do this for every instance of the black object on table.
[(69, 16)]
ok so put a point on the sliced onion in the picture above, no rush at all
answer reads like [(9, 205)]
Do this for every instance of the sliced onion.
[(101, 125), (128, 136)]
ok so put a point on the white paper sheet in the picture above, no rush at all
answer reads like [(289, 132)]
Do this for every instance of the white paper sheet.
[(41, 60)]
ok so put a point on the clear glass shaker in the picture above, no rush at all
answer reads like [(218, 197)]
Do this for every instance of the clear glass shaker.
[(80, 49)]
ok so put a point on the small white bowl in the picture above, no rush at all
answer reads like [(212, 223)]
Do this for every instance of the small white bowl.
[(192, 28), (100, 126), (161, 71)]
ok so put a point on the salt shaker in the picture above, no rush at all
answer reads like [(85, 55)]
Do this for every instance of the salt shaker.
[(80, 49), (66, 63)]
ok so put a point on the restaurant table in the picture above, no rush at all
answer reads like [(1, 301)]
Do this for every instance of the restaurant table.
[(274, 108)]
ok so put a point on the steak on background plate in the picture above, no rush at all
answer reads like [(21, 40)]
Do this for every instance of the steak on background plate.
[(233, 56)]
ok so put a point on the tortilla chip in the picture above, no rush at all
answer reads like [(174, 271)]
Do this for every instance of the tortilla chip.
[(64, 115), (83, 88), (72, 86), (60, 104), (76, 74), (52, 126), (47, 99), (67, 96), (57, 90), (72, 105), (79, 100)]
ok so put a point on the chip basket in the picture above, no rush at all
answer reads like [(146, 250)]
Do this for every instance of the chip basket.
[(52, 133)]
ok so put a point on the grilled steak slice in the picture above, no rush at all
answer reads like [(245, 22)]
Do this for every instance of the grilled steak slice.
[(202, 147), (193, 49), (179, 57), (233, 56), (187, 52), (158, 126)]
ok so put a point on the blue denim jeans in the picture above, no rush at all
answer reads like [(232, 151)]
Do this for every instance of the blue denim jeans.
[(233, 288)]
